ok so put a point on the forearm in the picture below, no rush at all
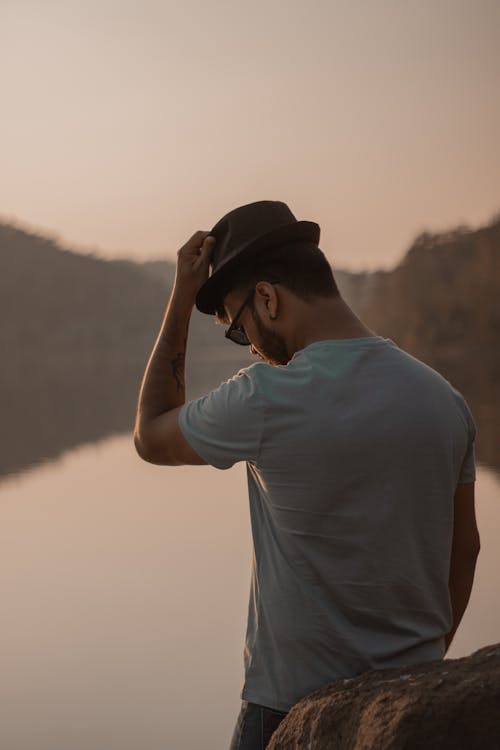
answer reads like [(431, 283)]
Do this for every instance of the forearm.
[(163, 386), (462, 570)]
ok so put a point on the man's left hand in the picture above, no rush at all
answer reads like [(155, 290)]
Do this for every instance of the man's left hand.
[(193, 262)]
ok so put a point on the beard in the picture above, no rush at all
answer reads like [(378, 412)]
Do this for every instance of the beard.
[(271, 346)]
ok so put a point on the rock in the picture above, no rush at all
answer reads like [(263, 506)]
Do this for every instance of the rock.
[(446, 703)]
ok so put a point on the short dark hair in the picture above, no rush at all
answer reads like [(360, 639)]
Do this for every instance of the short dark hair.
[(300, 267)]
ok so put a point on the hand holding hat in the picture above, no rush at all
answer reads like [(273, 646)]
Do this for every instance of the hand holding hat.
[(193, 263)]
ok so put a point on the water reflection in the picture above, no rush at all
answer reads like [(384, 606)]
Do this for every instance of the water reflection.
[(69, 402), (61, 405), (124, 588)]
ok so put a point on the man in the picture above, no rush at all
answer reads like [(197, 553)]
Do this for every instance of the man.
[(360, 464)]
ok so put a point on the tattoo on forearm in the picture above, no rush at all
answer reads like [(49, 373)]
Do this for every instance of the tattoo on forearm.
[(178, 370)]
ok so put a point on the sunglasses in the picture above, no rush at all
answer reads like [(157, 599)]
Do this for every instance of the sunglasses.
[(237, 334)]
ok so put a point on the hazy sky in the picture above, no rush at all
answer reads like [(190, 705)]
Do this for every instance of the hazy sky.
[(127, 126)]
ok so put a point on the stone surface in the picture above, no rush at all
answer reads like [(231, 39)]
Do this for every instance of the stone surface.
[(447, 703)]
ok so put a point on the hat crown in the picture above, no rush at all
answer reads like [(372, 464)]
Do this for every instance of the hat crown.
[(245, 225)]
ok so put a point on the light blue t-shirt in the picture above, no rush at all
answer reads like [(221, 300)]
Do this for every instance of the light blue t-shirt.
[(353, 450)]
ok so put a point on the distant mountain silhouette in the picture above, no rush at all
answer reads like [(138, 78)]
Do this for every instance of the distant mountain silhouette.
[(77, 331)]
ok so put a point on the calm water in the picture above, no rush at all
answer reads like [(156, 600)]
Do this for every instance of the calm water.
[(124, 590)]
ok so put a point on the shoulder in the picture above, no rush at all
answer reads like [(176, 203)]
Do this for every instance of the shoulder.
[(226, 424), (251, 379), (238, 396), (443, 390), (464, 410)]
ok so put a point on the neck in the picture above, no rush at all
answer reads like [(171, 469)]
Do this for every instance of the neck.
[(330, 319)]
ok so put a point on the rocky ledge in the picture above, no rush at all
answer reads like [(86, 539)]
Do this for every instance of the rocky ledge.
[(444, 704)]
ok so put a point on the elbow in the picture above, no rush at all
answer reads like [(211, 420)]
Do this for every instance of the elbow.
[(471, 551), (148, 455), (466, 546), (138, 447), (475, 545), (141, 449), (465, 556)]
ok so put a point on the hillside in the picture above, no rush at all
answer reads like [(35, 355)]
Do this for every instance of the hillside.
[(77, 331), (75, 338)]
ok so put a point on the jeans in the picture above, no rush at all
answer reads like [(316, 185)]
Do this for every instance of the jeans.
[(254, 726)]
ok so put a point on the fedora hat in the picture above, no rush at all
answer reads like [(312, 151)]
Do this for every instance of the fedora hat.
[(243, 233)]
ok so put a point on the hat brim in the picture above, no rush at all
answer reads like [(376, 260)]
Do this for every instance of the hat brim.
[(210, 293)]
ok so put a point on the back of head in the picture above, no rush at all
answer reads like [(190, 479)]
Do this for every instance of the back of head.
[(301, 267)]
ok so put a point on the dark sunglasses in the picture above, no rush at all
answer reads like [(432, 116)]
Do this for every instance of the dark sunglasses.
[(237, 334)]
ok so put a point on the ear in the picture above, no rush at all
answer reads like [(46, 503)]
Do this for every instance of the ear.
[(268, 298)]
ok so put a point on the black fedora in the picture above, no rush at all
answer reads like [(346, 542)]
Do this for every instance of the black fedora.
[(243, 233)]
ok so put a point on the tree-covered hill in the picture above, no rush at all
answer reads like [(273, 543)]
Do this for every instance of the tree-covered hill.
[(77, 331)]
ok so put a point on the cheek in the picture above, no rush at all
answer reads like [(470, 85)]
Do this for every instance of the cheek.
[(249, 326)]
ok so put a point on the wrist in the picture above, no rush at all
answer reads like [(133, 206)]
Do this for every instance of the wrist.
[(182, 298)]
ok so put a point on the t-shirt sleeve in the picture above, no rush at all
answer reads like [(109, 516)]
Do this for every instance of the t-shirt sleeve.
[(468, 470), (225, 426)]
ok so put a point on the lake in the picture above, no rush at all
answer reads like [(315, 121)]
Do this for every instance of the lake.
[(124, 588)]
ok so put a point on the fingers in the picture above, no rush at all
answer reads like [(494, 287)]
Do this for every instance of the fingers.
[(197, 241), (193, 261), (206, 249), (209, 242), (198, 238)]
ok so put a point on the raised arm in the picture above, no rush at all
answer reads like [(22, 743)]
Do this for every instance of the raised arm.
[(157, 436)]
